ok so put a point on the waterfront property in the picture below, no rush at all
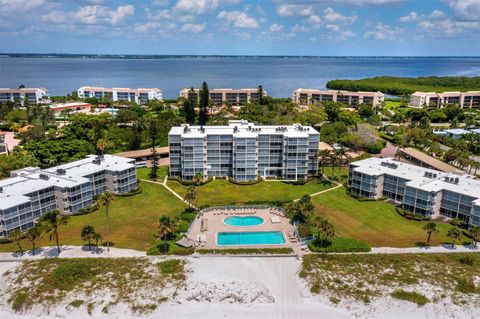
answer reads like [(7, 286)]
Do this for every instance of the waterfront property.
[(31, 191), (139, 96), (224, 96), (470, 99), (32, 95), (243, 151), (418, 190), (305, 97), (242, 226)]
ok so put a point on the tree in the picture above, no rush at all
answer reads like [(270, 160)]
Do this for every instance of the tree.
[(203, 104), (87, 234), (261, 99), (454, 233), (300, 211), (475, 231), (32, 235), (166, 227), (430, 228), (52, 220), (189, 111), (97, 237), (191, 196), (17, 236), (323, 155), (198, 178), (153, 131), (105, 200), (325, 230)]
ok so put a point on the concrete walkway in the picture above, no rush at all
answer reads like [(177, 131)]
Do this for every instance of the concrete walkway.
[(84, 252), (164, 184)]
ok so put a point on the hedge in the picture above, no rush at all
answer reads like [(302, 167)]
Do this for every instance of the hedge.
[(340, 245), (137, 191), (231, 180), (173, 249), (411, 216), (190, 183), (5, 241), (245, 251)]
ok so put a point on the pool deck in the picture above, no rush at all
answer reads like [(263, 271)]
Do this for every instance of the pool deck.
[(207, 225)]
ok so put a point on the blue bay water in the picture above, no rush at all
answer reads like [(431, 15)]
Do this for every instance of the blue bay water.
[(278, 75)]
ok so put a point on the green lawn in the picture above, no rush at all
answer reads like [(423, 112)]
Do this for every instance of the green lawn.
[(222, 192), (133, 220), (342, 178), (376, 223), (142, 173)]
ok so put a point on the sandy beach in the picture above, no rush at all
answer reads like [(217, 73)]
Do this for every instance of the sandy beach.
[(244, 287)]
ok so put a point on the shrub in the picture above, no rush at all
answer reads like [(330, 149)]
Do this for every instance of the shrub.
[(414, 297), (172, 249), (190, 183), (376, 147), (71, 272), (131, 193), (5, 241), (170, 267), (245, 251), (466, 286), (339, 245), (233, 181)]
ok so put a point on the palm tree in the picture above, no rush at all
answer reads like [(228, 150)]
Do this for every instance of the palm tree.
[(166, 226), (51, 221), (325, 230), (17, 236), (87, 234), (198, 178), (455, 233), (32, 235), (105, 200), (322, 158), (430, 228), (333, 160), (475, 230), (191, 195), (101, 145), (97, 237)]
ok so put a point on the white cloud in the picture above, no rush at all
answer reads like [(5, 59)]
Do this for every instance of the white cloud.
[(193, 28), (333, 27), (102, 15), (383, 32), (276, 27), (448, 27), (201, 6), (466, 10), (331, 15), (54, 17), (412, 16), (154, 26), (437, 14), (158, 14), (347, 34), (238, 19), (9, 6), (160, 3), (314, 19), (292, 10)]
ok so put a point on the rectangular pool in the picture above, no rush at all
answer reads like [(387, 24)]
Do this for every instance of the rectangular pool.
[(250, 238)]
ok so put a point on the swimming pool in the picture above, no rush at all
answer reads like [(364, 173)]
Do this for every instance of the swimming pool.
[(250, 238), (243, 220)]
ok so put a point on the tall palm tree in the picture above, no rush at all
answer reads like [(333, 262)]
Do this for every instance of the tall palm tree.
[(333, 159), (17, 236), (191, 196), (166, 226), (198, 178), (455, 233), (430, 228), (105, 200), (32, 235), (475, 230), (51, 222), (322, 158)]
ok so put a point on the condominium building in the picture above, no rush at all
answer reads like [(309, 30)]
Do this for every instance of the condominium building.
[(31, 191), (470, 99), (73, 107), (223, 96), (3, 144), (32, 95), (139, 96), (243, 151), (417, 189), (305, 97)]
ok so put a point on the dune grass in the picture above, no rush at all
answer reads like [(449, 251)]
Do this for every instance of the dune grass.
[(374, 222), (222, 192), (133, 220)]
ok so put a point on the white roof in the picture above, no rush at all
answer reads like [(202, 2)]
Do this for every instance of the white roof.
[(241, 128), (32, 179), (457, 131), (419, 177)]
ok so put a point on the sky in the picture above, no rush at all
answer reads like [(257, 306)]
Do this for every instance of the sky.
[(242, 27)]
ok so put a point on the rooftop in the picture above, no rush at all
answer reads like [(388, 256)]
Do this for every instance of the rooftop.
[(430, 161), (242, 128)]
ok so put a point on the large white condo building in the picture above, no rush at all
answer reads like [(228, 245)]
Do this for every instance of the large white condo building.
[(305, 97), (470, 99), (243, 151), (417, 189), (139, 96), (222, 96), (31, 191), (32, 95)]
